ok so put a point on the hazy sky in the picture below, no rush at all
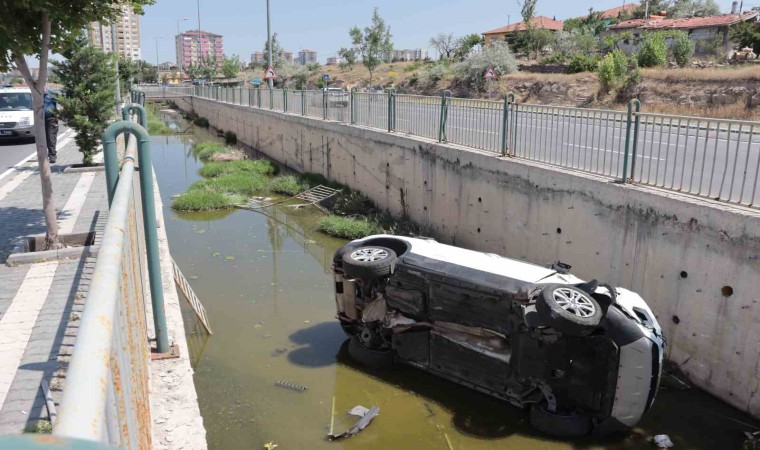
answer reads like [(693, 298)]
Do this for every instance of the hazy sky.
[(323, 26)]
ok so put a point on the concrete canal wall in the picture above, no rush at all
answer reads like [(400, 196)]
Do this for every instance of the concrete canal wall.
[(694, 261)]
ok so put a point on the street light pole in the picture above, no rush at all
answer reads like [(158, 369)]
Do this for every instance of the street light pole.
[(114, 48), (200, 48), (158, 66), (269, 45), (179, 49)]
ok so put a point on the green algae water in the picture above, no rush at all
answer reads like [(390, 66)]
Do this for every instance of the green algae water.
[(264, 278)]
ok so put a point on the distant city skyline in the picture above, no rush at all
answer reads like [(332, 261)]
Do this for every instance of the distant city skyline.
[(301, 24)]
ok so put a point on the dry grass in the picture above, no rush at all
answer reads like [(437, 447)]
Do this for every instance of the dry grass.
[(736, 111), (748, 72)]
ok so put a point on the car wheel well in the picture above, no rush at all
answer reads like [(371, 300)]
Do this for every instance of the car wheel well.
[(397, 245)]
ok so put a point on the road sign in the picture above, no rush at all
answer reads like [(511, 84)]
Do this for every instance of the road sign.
[(489, 74), (326, 76), (255, 81), (270, 74)]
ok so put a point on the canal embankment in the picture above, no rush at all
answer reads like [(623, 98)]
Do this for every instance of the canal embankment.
[(695, 261)]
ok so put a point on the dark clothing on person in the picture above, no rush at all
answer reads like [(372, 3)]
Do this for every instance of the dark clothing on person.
[(51, 125)]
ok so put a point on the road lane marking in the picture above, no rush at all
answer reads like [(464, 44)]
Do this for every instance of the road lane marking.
[(25, 172)]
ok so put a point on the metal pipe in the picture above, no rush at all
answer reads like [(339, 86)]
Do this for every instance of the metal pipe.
[(149, 218), (84, 398)]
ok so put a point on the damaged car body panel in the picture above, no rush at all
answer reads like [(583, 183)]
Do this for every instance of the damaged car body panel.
[(582, 356)]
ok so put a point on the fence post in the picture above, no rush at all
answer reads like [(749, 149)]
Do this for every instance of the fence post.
[(284, 100), (271, 98), (391, 110), (149, 217), (353, 109), (633, 104), (258, 97), (444, 115), (303, 101), (324, 103)]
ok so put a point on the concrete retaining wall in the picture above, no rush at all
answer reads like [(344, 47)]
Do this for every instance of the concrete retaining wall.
[(695, 262)]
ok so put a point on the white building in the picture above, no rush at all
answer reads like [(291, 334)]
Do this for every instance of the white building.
[(307, 56), (406, 55)]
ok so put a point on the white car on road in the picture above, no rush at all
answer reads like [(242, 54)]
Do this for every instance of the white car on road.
[(16, 114)]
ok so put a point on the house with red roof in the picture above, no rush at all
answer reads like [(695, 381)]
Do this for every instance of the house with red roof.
[(538, 23), (701, 30)]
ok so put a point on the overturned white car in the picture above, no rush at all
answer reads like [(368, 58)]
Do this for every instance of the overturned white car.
[(582, 356)]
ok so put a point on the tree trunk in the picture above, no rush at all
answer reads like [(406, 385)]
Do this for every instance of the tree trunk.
[(37, 87), (370, 80)]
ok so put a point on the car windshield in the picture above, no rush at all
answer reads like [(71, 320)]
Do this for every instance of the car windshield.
[(335, 90), (15, 101)]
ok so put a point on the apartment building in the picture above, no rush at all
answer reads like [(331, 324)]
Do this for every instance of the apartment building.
[(408, 54), (127, 35), (194, 45), (307, 56), (257, 58)]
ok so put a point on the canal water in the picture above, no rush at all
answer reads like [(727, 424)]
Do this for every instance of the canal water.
[(265, 281)]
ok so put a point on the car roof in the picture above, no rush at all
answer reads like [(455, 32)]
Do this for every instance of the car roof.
[(15, 89)]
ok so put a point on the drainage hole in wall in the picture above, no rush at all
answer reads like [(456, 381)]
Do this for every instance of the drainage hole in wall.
[(480, 200), (684, 274), (676, 320), (559, 230), (727, 291), (478, 230)]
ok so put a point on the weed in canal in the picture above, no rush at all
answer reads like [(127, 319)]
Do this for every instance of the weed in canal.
[(348, 227), (156, 126), (288, 185), (242, 183), (205, 200), (247, 166)]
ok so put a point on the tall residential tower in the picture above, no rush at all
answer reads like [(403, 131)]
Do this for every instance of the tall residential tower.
[(192, 46), (127, 34)]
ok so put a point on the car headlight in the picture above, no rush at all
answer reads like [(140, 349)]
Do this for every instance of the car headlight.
[(24, 122)]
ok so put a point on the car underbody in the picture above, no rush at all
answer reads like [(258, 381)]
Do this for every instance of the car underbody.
[(501, 335)]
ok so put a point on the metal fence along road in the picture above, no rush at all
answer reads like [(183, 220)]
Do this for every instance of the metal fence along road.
[(712, 158)]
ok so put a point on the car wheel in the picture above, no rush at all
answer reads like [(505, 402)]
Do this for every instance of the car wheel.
[(349, 328), (376, 359), (568, 310), (368, 263), (558, 424)]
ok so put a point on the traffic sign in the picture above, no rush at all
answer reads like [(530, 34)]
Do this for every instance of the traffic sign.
[(255, 81), (489, 74), (270, 74), (326, 76)]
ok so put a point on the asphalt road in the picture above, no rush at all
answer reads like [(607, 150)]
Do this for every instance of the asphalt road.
[(12, 151)]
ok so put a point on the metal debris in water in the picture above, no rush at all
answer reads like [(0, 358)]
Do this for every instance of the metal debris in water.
[(360, 424), (288, 385)]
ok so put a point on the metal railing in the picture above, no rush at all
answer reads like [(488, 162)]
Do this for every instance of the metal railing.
[(712, 158), (106, 394)]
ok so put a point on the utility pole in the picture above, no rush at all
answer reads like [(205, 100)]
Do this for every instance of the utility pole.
[(269, 45), (509, 19), (646, 10), (200, 48), (158, 66), (116, 62)]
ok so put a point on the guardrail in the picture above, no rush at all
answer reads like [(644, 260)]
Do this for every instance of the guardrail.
[(713, 158), (106, 394)]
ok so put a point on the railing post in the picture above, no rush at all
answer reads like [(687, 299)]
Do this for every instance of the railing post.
[(391, 110), (352, 111), (149, 216), (258, 96), (444, 115), (142, 116), (284, 100), (324, 104), (505, 130), (303, 101), (632, 105)]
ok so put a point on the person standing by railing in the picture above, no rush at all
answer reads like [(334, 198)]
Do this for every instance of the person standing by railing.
[(51, 124)]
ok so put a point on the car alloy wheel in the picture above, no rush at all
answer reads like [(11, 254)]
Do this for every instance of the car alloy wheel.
[(369, 254), (574, 302)]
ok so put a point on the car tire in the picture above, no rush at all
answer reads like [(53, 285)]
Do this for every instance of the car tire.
[(349, 328), (568, 310), (557, 424), (368, 262), (374, 359)]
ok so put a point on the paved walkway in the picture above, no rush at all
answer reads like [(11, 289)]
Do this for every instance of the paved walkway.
[(40, 303)]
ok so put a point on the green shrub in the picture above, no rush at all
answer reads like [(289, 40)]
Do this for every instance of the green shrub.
[(497, 56), (682, 48), (241, 183), (205, 150), (288, 185), (431, 75), (347, 227), (230, 138), (201, 122), (204, 200), (156, 126), (260, 166), (554, 58), (612, 70), (413, 66), (582, 63), (653, 51)]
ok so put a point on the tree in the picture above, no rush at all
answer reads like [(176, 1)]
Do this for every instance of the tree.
[(654, 50), (578, 41), (528, 11), (373, 43), (34, 28), (445, 44), (534, 40), (128, 71), (208, 68), (616, 70), (682, 48), (88, 77), (466, 45), (347, 56), (231, 66), (146, 73), (277, 59), (497, 56), (653, 6), (193, 71), (693, 8), (746, 34)]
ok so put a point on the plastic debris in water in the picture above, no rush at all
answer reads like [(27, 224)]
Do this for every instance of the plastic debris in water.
[(360, 424), (291, 386), (270, 446), (662, 441)]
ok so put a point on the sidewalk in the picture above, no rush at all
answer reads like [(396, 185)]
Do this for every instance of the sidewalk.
[(40, 303)]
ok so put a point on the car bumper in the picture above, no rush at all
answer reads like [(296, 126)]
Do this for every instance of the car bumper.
[(16, 133)]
